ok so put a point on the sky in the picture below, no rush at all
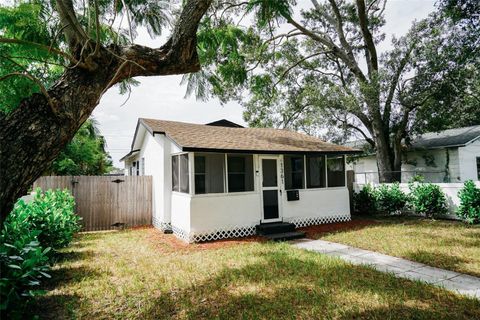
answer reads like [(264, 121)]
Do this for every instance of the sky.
[(163, 97)]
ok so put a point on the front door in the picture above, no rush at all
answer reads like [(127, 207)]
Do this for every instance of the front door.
[(270, 187)]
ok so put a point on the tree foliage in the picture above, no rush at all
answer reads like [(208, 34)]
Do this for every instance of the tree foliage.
[(84, 155)]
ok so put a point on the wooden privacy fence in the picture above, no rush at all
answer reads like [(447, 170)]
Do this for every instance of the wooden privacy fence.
[(106, 202)]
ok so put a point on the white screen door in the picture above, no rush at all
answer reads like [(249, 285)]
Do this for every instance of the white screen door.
[(270, 188)]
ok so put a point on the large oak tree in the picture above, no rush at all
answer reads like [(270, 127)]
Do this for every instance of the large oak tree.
[(324, 67), (86, 41)]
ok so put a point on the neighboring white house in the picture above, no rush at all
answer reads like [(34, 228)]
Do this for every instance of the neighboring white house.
[(446, 156), (221, 180)]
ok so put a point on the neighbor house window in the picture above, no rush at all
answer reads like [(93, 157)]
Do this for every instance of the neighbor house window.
[(478, 168), (209, 173), (294, 172), (336, 170), (240, 173), (316, 172), (180, 173)]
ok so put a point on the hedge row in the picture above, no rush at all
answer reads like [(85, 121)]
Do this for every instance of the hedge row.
[(424, 198)]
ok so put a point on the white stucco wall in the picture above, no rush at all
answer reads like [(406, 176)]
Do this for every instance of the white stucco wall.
[(222, 211), (317, 203), (468, 160), (181, 211)]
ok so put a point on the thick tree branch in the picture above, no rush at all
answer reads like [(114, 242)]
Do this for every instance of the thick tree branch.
[(372, 59)]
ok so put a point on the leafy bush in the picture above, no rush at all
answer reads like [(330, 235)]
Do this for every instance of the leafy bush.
[(469, 208), (29, 233), (51, 213), (364, 200), (427, 199), (390, 198), (23, 265)]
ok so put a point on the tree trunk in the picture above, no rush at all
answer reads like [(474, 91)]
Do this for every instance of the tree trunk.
[(35, 133)]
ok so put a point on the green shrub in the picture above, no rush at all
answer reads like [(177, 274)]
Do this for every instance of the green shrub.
[(390, 198), (51, 213), (23, 265), (364, 200), (469, 209), (28, 233), (428, 199)]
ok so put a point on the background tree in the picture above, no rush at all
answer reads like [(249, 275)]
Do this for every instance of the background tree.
[(92, 45), (325, 70), (84, 155)]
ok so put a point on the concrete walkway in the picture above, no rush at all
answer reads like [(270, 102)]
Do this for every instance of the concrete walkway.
[(454, 281)]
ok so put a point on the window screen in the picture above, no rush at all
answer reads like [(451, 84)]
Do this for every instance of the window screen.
[(316, 172), (175, 178), (180, 181), (294, 173), (240, 173), (209, 173), (184, 184), (336, 171)]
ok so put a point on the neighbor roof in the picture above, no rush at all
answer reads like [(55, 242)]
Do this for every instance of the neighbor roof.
[(198, 137), (457, 137)]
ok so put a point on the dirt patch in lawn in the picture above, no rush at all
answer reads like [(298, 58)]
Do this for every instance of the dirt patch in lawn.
[(169, 243), (316, 231)]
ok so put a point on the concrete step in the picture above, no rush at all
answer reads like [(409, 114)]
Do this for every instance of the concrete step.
[(285, 236), (273, 228)]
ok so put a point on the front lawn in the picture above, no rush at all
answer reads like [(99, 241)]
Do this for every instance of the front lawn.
[(143, 274), (444, 244)]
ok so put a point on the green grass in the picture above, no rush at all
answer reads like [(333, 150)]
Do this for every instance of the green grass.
[(444, 244), (133, 275)]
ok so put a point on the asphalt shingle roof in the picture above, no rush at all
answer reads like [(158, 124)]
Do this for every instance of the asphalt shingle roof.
[(196, 137), (446, 138)]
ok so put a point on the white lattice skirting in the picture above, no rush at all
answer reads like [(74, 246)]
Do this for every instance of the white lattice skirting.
[(238, 232), (310, 221), (157, 223), (217, 234)]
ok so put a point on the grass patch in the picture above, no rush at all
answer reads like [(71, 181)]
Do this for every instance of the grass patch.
[(449, 245), (125, 275)]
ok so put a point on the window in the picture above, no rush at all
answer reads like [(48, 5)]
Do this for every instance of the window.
[(240, 173), (175, 171), (316, 172), (294, 173), (209, 173), (478, 168), (180, 173), (336, 171)]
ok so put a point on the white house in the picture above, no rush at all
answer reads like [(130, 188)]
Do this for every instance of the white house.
[(446, 156), (221, 180)]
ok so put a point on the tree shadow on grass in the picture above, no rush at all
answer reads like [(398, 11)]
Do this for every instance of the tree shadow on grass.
[(282, 285), (440, 260), (69, 275), (56, 306)]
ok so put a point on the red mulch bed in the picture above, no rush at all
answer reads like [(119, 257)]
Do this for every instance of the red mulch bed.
[(169, 243), (317, 231)]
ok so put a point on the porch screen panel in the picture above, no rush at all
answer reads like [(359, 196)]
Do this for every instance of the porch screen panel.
[(184, 183), (294, 172), (175, 178), (336, 171), (316, 172), (240, 173), (209, 173)]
